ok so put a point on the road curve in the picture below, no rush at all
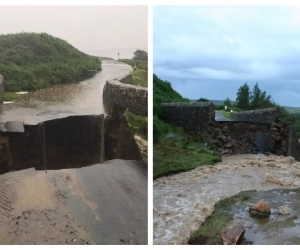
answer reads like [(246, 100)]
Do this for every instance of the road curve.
[(84, 98)]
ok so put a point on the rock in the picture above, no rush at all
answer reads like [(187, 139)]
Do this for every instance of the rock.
[(273, 129), (284, 210), (261, 209), (225, 152), (232, 235), (228, 145)]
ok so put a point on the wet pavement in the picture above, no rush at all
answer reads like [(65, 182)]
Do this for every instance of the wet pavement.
[(100, 204), (183, 201), (84, 98), (220, 117)]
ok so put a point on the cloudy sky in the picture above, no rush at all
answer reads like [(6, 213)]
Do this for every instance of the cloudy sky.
[(211, 51), (98, 30)]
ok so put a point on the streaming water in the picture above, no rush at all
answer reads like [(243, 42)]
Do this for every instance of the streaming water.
[(182, 202)]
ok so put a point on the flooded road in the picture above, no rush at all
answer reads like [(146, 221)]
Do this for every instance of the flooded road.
[(183, 201), (84, 98), (100, 204)]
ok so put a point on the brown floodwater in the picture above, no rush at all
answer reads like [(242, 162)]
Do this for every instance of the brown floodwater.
[(84, 98), (183, 201)]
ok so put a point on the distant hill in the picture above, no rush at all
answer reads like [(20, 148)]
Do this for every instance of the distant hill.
[(292, 110), (29, 61)]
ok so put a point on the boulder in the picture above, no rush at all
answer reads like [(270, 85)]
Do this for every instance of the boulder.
[(232, 235), (261, 209)]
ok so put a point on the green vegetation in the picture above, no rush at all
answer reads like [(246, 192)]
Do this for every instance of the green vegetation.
[(258, 99), (138, 123), (209, 232), (162, 92), (179, 152), (139, 64), (10, 96), (30, 61), (173, 150), (203, 100), (140, 77), (226, 114)]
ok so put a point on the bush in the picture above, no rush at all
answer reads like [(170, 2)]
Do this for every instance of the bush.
[(31, 61)]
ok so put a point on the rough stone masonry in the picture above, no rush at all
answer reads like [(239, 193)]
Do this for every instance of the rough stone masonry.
[(233, 137)]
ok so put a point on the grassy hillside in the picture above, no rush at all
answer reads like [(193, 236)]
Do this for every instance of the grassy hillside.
[(173, 150), (140, 74), (30, 61), (138, 123)]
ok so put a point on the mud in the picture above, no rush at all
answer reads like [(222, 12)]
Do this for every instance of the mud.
[(182, 202), (100, 204)]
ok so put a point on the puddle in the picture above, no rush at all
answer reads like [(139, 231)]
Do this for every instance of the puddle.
[(274, 230)]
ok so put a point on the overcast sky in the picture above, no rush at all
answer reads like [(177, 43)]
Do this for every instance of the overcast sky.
[(98, 30), (211, 51)]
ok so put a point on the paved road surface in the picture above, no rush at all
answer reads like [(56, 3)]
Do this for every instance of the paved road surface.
[(220, 117), (101, 204)]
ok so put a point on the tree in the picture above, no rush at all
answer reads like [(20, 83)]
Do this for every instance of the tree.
[(140, 55), (227, 102), (203, 100), (259, 99), (243, 97)]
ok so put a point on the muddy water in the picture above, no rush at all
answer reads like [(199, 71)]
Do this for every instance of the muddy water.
[(276, 229), (182, 202), (100, 204), (84, 98)]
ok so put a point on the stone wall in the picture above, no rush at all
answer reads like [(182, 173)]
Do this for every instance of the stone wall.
[(1, 88), (124, 96), (261, 116), (293, 145), (192, 116), (231, 138)]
